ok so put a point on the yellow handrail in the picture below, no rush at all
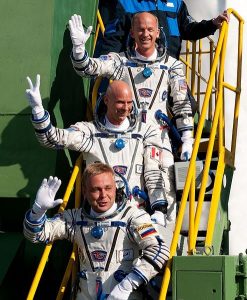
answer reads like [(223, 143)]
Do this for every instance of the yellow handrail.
[(189, 189), (100, 26), (217, 124), (71, 267), (48, 247)]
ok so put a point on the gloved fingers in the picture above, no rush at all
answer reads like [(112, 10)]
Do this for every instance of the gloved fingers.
[(72, 23), (184, 156), (54, 183), (37, 83), (71, 26), (57, 184), (79, 22), (44, 182), (28, 91), (57, 202), (158, 218), (30, 83), (89, 30)]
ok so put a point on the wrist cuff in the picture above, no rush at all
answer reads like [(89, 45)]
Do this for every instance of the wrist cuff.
[(78, 52), (38, 113), (134, 280)]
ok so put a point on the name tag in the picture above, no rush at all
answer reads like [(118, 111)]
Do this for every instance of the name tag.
[(139, 169), (169, 4)]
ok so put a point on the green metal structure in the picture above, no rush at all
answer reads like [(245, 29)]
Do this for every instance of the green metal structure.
[(35, 39)]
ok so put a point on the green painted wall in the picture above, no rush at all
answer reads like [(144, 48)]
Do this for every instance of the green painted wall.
[(34, 40)]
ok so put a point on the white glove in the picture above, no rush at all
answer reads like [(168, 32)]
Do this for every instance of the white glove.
[(45, 197), (187, 145), (34, 97), (78, 36), (159, 218), (123, 290)]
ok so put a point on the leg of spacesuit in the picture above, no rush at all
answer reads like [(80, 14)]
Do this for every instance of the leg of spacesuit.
[(169, 182)]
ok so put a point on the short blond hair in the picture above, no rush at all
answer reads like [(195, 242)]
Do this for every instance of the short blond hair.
[(95, 169)]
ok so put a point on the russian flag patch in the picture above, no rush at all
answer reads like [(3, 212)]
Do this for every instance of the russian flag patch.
[(146, 230)]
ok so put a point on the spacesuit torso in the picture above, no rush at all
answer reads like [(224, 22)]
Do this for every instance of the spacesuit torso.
[(109, 247), (150, 81), (127, 151)]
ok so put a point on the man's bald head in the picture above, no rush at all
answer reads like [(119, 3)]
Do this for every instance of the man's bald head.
[(118, 100), (142, 16), (118, 88)]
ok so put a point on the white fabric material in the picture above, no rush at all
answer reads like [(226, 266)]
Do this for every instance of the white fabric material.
[(125, 287), (150, 58), (45, 197), (129, 161), (159, 218), (34, 97), (143, 238), (122, 127), (121, 291), (115, 67), (78, 36), (187, 145)]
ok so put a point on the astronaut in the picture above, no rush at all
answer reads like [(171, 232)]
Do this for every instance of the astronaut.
[(176, 24), (119, 247), (116, 137), (150, 72)]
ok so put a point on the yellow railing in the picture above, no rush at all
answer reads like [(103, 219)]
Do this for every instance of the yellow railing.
[(216, 138), (74, 176), (208, 110)]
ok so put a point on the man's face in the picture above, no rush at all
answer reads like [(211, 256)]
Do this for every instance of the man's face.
[(145, 32), (119, 106), (100, 191)]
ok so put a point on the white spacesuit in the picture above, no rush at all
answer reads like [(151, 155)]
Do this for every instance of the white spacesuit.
[(131, 153), (150, 81), (109, 244)]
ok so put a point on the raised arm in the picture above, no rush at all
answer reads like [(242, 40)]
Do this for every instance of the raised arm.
[(78, 137), (78, 36), (34, 97)]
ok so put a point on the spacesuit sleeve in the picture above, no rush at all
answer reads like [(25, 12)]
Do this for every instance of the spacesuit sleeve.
[(181, 107), (48, 230), (192, 30), (155, 252), (108, 66), (78, 137), (152, 167)]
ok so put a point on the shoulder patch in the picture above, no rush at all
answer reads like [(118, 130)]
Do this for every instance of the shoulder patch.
[(182, 85), (104, 57), (145, 230)]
